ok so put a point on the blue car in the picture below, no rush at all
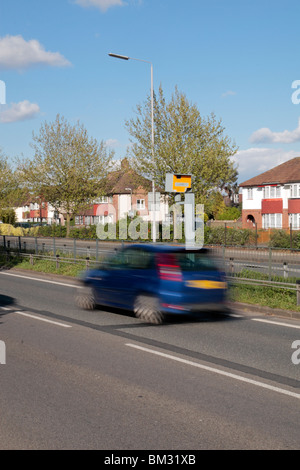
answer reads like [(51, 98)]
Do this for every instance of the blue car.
[(154, 280)]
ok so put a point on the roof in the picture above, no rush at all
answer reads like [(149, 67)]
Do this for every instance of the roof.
[(288, 172), (126, 177)]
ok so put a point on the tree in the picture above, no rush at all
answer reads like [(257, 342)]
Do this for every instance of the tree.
[(68, 169), (10, 190), (5, 179), (184, 142)]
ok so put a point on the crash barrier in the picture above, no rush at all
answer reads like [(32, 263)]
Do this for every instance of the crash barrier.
[(254, 266)]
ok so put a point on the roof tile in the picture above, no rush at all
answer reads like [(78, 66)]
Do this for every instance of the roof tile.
[(288, 172)]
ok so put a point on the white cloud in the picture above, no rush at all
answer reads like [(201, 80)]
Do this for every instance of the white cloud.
[(19, 112), (112, 143), (254, 161), (103, 5), (264, 135), (228, 93), (16, 53)]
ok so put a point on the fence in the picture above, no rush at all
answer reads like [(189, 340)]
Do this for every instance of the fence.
[(253, 266)]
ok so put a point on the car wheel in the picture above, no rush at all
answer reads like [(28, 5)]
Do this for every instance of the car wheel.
[(146, 308), (85, 299)]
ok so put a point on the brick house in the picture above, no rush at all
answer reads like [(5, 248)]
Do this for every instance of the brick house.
[(126, 193), (272, 199)]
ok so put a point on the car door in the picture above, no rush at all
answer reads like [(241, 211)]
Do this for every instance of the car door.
[(127, 275)]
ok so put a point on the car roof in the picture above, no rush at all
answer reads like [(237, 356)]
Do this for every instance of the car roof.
[(162, 247)]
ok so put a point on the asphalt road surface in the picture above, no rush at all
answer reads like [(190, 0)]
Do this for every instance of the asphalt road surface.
[(72, 379)]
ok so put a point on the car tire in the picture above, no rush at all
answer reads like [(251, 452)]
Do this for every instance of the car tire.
[(85, 299), (146, 308)]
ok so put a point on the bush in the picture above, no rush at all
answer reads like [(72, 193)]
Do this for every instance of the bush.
[(282, 239), (7, 229), (230, 213), (51, 231), (230, 236)]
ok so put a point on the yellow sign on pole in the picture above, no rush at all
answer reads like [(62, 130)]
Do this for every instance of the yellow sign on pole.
[(178, 183)]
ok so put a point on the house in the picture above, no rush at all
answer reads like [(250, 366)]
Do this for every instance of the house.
[(272, 199), (35, 211), (127, 193)]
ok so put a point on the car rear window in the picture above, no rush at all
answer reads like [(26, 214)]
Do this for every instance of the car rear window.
[(195, 261)]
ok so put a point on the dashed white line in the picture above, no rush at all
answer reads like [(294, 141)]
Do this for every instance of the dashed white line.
[(276, 323), (217, 371), (43, 319), (40, 280)]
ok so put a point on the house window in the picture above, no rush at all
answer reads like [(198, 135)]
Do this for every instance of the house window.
[(294, 221), (272, 220), (103, 199), (295, 190), (272, 191), (266, 192), (140, 204)]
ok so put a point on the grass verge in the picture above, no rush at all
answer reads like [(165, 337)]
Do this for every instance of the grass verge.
[(256, 295), (265, 296)]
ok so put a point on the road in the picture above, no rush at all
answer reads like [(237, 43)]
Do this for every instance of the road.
[(104, 380)]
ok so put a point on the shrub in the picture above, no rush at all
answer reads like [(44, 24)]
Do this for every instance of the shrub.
[(230, 213), (229, 236), (7, 229)]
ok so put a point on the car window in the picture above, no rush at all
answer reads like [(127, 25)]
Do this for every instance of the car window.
[(191, 261), (139, 258), (131, 259)]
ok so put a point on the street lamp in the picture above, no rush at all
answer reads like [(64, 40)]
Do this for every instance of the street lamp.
[(124, 57)]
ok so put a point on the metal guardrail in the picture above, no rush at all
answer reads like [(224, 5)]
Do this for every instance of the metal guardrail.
[(236, 261)]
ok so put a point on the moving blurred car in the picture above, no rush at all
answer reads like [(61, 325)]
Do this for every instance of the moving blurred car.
[(153, 280)]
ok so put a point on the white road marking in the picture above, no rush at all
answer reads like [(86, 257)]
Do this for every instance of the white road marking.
[(217, 371), (276, 323), (43, 319), (40, 280)]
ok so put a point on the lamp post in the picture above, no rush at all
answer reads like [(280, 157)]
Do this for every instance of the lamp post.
[(118, 56)]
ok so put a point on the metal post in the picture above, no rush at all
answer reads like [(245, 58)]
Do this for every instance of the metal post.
[(256, 236), (118, 56), (298, 291), (152, 148), (285, 270), (270, 263)]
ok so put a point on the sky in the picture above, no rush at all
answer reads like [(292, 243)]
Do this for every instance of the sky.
[(238, 59)]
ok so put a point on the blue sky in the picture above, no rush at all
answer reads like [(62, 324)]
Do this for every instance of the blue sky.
[(235, 58)]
